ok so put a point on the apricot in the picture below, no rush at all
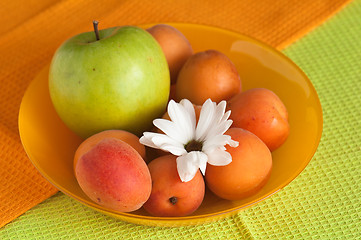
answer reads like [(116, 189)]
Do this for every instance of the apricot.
[(172, 92), (175, 46), (248, 172), (114, 175), (170, 197), (261, 112), (208, 74), (125, 136)]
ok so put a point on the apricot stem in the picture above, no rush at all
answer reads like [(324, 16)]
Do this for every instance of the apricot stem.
[(173, 200), (95, 25)]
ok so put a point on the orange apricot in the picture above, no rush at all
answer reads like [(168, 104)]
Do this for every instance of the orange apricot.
[(248, 172), (114, 175), (170, 197), (209, 74), (172, 91), (261, 112), (125, 136), (175, 46)]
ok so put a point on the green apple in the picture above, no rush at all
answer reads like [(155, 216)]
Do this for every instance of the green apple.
[(119, 81)]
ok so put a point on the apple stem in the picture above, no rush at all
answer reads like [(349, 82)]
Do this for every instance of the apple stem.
[(95, 25)]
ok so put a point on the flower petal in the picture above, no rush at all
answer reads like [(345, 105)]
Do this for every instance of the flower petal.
[(226, 116), (220, 109), (188, 165), (169, 128), (216, 142), (213, 121), (220, 122), (203, 163), (218, 129), (182, 120), (147, 142), (219, 157), (188, 106), (177, 151), (164, 142), (205, 120), (233, 143)]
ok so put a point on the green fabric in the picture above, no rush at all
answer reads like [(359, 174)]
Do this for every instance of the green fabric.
[(323, 202)]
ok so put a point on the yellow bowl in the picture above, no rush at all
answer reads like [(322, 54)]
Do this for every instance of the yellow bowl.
[(50, 145)]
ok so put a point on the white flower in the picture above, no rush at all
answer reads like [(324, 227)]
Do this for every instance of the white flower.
[(195, 144)]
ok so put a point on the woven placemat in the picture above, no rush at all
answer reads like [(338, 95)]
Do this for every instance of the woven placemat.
[(323, 202)]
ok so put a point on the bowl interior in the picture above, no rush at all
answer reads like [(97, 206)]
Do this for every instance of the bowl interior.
[(50, 145)]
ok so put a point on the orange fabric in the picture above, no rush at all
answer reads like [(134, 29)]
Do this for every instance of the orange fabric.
[(31, 31)]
